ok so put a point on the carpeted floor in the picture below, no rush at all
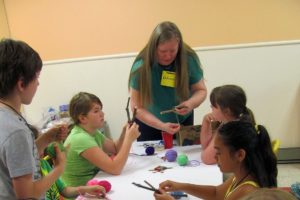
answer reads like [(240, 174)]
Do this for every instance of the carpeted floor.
[(288, 174)]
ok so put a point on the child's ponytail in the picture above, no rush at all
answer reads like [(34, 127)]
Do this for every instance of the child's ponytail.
[(268, 156)]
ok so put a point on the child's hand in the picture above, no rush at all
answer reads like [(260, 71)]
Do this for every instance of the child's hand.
[(132, 132), (162, 195), (169, 186), (97, 190), (210, 122), (208, 118), (58, 132), (60, 159), (61, 132)]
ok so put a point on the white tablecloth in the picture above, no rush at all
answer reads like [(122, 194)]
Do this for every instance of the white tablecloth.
[(137, 169)]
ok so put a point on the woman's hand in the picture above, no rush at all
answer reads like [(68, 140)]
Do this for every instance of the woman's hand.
[(183, 108), (171, 128)]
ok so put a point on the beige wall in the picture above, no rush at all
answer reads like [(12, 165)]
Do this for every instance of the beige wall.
[(69, 29), (4, 30)]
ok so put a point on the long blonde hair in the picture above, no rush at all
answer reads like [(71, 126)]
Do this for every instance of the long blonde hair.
[(163, 32)]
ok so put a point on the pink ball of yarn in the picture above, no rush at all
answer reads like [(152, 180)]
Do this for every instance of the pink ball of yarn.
[(92, 182), (171, 155), (105, 184)]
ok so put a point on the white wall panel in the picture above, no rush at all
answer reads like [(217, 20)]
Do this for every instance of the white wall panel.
[(268, 72)]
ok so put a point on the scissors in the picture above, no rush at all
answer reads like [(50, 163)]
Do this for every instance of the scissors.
[(145, 187), (176, 194), (130, 121)]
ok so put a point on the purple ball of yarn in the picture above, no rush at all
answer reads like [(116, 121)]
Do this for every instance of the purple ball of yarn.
[(171, 155), (149, 150)]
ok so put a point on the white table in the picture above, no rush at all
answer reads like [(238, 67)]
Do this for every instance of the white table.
[(137, 170)]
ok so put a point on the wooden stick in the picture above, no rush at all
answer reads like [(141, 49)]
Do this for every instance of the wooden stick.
[(167, 111)]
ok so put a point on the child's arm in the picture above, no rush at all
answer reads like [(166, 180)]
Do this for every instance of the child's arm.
[(72, 192), (99, 158), (119, 141), (206, 130), (113, 147), (26, 188), (200, 191), (208, 154)]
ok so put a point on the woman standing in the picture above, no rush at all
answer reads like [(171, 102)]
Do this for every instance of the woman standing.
[(166, 75)]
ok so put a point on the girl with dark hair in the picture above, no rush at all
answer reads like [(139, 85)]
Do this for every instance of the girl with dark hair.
[(241, 149), (228, 103)]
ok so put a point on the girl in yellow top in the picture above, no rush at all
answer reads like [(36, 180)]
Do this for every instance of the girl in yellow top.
[(243, 150)]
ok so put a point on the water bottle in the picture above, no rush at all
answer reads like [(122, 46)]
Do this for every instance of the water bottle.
[(63, 111), (52, 114)]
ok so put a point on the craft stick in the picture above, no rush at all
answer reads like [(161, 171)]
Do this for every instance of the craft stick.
[(180, 107), (172, 110), (134, 114), (127, 110), (167, 111)]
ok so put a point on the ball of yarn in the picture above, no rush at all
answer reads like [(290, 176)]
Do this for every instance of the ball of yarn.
[(51, 151), (171, 155), (105, 184), (182, 159), (92, 182), (150, 150)]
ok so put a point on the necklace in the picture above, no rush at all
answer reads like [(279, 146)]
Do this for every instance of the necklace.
[(31, 128), (240, 181), (14, 110), (232, 187)]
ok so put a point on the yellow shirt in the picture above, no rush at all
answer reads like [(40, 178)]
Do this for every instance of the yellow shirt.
[(231, 189)]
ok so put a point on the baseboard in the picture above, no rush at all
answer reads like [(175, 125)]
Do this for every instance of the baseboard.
[(289, 155)]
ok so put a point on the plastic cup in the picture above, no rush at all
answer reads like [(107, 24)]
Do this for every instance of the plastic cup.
[(168, 140)]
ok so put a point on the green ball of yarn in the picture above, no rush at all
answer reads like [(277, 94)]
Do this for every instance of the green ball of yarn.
[(182, 159), (51, 151)]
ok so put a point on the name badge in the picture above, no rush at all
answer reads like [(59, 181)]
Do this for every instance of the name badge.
[(168, 79)]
